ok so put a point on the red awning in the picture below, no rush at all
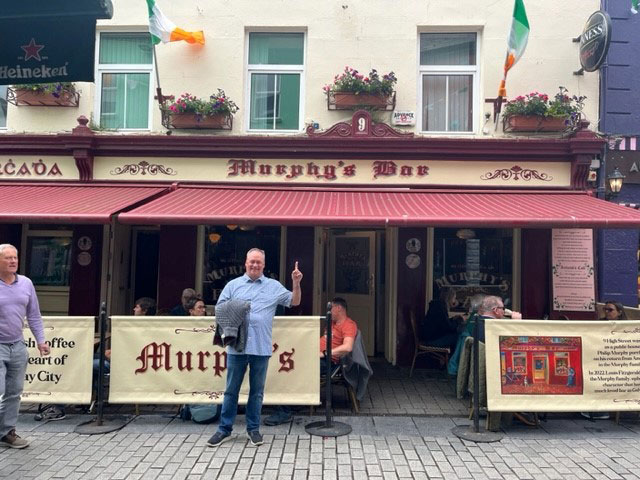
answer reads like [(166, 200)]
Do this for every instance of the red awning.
[(270, 206), (69, 203)]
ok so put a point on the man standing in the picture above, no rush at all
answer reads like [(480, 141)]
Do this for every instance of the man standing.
[(264, 294), (343, 335), (17, 300)]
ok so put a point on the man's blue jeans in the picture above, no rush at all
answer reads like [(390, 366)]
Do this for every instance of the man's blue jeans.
[(236, 368), (13, 365)]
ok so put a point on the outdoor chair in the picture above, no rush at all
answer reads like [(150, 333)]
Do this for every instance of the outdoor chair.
[(439, 353), (353, 374)]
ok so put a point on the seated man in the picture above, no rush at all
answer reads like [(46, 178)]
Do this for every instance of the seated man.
[(343, 335), (181, 310)]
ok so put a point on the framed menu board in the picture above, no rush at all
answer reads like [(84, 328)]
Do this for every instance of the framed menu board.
[(572, 269)]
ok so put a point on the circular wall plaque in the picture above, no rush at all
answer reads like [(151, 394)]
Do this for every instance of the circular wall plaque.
[(84, 243), (84, 259), (412, 260), (595, 40), (414, 245)]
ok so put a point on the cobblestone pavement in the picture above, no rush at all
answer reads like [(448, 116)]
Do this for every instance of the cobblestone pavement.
[(155, 446)]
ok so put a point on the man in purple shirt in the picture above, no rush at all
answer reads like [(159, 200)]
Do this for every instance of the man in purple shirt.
[(17, 300)]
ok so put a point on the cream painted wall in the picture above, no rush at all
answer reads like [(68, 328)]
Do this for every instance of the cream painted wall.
[(381, 34)]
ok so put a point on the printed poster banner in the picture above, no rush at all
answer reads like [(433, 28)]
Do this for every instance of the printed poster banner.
[(573, 270), (562, 366), (64, 376), (170, 360)]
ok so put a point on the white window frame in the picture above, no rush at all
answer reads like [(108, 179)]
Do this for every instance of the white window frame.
[(275, 69), (2, 128), (122, 68), (450, 70)]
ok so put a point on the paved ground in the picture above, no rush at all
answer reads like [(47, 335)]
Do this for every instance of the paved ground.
[(158, 446)]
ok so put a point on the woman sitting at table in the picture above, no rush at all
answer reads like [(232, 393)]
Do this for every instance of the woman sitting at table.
[(614, 311), (439, 329)]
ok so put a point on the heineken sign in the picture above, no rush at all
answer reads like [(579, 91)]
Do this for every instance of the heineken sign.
[(47, 50), (595, 40)]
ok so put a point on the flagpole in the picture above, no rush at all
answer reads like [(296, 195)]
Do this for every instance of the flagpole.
[(158, 88)]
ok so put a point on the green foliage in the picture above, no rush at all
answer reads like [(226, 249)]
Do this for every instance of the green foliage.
[(535, 103), (354, 82), (55, 89), (216, 104)]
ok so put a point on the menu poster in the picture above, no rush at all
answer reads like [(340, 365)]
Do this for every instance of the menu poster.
[(572, 269)]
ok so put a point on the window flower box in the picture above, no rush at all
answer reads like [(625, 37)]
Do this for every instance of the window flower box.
[(535, 123), (217, 121), (352, 91), (355, 101), (44, 95), (188, 111), (537, 112)]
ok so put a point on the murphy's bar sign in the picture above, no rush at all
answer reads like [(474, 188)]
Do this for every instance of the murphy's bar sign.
[(38, 168), (43, 51), (344, 172)]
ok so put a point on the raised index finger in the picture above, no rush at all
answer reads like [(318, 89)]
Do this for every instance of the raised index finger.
[(296, 267)]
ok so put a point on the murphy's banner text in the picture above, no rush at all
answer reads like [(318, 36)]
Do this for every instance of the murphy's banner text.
[(563, 366), (64, 376), (173, 360)]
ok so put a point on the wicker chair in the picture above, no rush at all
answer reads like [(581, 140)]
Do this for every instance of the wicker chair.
[(439, 353)]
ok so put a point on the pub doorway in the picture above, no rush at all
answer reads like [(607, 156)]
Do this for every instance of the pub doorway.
[(355, 272)]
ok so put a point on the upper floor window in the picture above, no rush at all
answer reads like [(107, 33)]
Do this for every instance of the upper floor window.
[(448, 76), (125, 64), (3, 106), (275, 69)]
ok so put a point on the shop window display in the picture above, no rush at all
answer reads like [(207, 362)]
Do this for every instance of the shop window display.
[(473, 261), (225, 252)]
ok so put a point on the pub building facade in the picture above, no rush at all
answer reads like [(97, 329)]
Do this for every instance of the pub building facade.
[(105, 206), (380, 218)]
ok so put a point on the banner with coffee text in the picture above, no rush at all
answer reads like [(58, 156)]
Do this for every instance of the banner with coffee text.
[(173, 360), (562, 366), (64, 376)]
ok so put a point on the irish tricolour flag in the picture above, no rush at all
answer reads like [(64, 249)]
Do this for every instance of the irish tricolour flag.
[(517, 41), (164, 30)]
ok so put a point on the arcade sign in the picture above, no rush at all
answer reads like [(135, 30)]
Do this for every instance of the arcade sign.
[(595, 40)]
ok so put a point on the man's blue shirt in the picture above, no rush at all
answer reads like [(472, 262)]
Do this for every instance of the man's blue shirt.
[(265, 294)]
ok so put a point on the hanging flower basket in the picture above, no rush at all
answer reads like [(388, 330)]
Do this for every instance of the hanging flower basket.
[(217, 121), (534, 123), (38, 98)]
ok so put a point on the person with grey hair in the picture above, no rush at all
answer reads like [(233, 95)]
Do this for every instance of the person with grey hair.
[(181, 310), (18, 300), (492, 307)]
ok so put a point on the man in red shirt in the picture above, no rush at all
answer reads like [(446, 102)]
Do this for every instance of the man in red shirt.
[(343, 334)]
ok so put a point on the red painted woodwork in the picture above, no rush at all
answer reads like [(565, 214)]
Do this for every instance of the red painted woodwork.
[(411, 292), (176, 263), (84, 291), (300, 242)]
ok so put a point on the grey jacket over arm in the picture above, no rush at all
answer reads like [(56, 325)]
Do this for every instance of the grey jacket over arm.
[(231, 324)]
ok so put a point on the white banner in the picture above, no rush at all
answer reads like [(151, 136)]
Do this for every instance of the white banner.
[(562, 366), (65, 375), (173, 360)]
